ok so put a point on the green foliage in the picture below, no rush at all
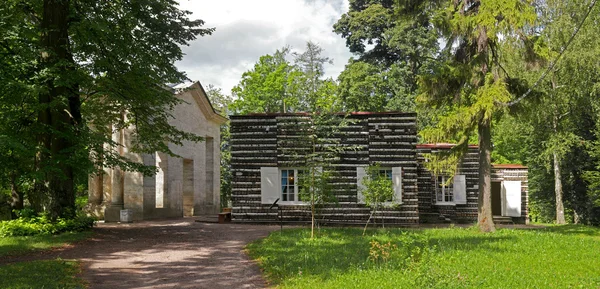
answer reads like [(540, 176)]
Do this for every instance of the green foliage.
[(315, 186), (314, 150), (42, 274), (314, 93), (30, 225), (221, 102), (5, 208), (395, 42), (378, 188), (278, 85), (434, 258), (269, 86), (512, 141), (362, 87), (558, 119), (71, 72)]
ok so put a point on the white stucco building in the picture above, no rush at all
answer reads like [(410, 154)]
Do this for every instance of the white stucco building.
[(184, 186)]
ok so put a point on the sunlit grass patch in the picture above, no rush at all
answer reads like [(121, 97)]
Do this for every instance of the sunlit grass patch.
[(41, 274), (552, 257)]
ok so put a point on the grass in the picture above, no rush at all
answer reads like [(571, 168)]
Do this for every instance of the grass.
[(41, 274), (21, 245), (552, 257)]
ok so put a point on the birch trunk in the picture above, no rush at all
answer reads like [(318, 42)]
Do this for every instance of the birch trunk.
[(560, 207)]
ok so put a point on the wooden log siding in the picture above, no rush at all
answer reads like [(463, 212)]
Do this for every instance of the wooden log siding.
[(271, 140), (428, 210)]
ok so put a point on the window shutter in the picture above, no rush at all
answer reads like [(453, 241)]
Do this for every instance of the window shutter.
[(269, 184), (460, 190), (361, 172), (512, 192), (397, 184)]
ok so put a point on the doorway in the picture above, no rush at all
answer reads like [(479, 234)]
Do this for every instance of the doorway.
[(188, 187), (496, 198)]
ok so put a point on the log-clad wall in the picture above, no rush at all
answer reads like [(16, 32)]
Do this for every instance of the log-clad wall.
[(388, 139), (432, 213), (271, 140), (469, 166)]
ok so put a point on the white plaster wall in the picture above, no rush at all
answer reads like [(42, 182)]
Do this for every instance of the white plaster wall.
[(188, 117), (133, 194), (140, 191)]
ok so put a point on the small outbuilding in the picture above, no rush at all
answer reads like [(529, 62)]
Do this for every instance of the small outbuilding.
[(265, 169), (457, 201)]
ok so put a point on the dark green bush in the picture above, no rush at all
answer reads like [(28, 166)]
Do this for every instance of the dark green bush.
[(27, 225)]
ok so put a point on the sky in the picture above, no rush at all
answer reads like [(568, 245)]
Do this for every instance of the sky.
[(248, 29)]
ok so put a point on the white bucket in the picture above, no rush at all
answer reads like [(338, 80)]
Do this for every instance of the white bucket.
[(126, 216)]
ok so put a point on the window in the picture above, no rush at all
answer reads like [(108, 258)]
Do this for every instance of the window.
[(395, 174), (386, 172), (290, 186), (443, 190)]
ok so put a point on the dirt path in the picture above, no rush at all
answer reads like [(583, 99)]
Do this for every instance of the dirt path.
[(166, 254)]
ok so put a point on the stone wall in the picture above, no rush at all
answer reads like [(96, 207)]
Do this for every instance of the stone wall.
[(162, 195)]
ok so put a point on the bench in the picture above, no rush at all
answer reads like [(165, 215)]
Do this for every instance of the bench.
[(224, 217)]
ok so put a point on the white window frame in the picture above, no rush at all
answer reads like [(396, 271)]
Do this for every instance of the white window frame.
[(396, 178), (296, 200), (443, 190), (391, 178)]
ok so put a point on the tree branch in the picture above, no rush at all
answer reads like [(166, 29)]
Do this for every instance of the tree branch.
[(552, 64)]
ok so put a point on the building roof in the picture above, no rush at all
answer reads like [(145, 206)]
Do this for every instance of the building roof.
[(338, 113), (441, 146), (508, 166), (199, 94)]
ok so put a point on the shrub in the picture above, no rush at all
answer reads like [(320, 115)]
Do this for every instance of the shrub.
[(27, 225)]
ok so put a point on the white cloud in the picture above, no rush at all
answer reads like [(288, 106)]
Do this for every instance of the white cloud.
[(246, 30)]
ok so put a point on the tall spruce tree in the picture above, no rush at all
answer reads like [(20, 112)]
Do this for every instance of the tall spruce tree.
[(468, 83)]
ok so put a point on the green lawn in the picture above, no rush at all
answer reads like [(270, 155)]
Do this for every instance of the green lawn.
[(553, 257), (41, 274), (20, 245)]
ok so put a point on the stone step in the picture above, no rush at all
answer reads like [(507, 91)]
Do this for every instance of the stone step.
[(503, 220)]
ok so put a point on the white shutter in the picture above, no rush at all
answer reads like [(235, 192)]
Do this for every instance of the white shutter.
[(269, 185), (361, 172), (512, 198), (460, 190), (397, 184)]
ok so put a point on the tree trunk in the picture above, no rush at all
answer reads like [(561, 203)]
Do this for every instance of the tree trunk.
[(17, 196), (560, 207), (485, 220), (60, 110)]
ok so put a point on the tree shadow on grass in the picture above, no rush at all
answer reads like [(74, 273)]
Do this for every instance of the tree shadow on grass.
[(171, 254)]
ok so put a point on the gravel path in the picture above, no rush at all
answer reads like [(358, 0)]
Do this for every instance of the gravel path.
[(165, 254)]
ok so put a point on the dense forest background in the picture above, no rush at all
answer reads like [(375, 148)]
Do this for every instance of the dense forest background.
[(521, 78)]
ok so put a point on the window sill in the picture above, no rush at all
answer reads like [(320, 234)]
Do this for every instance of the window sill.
[(391, 204), (292, 203), (445, 204)]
